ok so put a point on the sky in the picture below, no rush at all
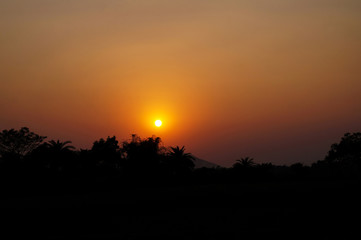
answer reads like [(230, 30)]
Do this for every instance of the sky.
[(275, 80)]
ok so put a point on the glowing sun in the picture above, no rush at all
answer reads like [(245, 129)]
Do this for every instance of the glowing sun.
[(158, 123)]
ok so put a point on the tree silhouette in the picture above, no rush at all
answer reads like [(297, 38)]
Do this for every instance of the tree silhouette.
[(179, 161), (57, 155), (348, 150), (110, 145), (246, 162), (59, 147), (142, 152), (143, 158), (244, 169), (106, 153), (344, 157), (18, 143), (24, 156)]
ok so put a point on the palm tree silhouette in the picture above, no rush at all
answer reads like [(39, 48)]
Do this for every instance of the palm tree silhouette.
[(180, 160), (60, 147), (245, 162), (179, 153), (60, 154)]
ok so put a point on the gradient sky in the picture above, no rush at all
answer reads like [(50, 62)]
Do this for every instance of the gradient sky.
[(276, 80)]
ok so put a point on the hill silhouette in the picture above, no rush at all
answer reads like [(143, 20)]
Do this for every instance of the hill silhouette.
[(200, 163)]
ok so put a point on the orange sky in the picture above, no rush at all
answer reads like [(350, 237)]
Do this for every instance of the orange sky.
[(277, 80)]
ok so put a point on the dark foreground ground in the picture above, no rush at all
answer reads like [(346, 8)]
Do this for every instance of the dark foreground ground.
[(287, 210)]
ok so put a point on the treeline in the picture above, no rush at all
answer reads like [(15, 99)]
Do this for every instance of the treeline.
[(27, 160)]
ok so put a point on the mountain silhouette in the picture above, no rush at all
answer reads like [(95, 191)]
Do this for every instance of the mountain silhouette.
[(200, 163)]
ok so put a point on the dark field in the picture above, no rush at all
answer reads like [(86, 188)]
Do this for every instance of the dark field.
[(288, 210)]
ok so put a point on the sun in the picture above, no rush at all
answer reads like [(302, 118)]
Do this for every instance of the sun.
[(158, 123)]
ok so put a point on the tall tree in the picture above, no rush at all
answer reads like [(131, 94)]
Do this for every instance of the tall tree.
[(106, 153), (347, 150), (142, 152), (345, 157), (56, 155), (143, 158), (246, 162), (179, 161), (18, 143), (60, 147)]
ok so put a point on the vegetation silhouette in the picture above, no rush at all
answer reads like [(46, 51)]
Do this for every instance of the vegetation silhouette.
[(246, 162), (343, 159), (18, 143), (24, 154), (140, 177), (179, 162)]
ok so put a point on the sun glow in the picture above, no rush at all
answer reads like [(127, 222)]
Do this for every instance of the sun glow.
[(158, 123)]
